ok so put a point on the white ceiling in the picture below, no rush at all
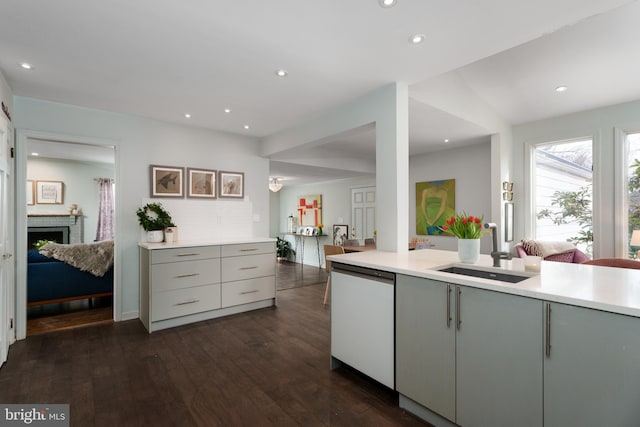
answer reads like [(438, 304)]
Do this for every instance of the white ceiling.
[(162, 59)]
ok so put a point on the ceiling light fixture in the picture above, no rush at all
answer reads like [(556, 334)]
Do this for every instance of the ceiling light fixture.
[(227, 110), (246, 126), (274, 185), (187, 115), (282, 73), (387, 3), (26, 66), (35, 154), (417, 38), (561, 88), (446, 140)]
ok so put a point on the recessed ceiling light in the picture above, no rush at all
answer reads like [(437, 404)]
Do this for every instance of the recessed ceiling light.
[(446, 140), (227, 110), (417, 38), (282, 73), (26, 66), (246, 126), (561, 88), (35, 154), (387, 3), (187, 115)]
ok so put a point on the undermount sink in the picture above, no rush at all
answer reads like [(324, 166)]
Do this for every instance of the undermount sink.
[(503, 277)]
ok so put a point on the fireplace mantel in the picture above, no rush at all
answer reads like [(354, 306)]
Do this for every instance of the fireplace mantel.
[(74, 222)]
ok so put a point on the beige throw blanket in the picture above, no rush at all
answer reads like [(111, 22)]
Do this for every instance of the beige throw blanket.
[(547, 248), (95, 258)]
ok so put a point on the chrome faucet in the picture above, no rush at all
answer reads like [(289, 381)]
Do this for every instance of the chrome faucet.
[(495, 254)]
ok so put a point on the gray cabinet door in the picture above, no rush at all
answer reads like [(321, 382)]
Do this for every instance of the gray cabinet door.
[(425, 345), (592, 375), (499, 361)]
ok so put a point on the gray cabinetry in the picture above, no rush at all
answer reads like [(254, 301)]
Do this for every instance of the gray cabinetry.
[(592, 368), (472, 356)]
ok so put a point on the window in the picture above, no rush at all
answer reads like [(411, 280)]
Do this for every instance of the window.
[(563, 195), (632, 181)]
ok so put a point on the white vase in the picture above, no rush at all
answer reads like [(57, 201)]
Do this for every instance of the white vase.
[(468, 250), (155, 236)]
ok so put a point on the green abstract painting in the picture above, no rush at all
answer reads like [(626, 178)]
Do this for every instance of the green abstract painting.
[(435, 202)]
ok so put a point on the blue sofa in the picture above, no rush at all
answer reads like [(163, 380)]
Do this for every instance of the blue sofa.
[(50, 281)]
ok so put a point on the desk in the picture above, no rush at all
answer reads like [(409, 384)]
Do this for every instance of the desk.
[(299, 242)]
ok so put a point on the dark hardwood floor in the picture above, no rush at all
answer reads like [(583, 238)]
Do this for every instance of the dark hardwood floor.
[(268, 367)]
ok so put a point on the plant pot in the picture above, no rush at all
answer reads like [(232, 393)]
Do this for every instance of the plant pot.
[(468, 250), (155, 236)]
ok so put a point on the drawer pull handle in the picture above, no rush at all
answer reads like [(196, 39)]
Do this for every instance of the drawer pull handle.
[(187, 275), (191, 301), (191, 254), (248, 268), (249, 292), (248, 250)]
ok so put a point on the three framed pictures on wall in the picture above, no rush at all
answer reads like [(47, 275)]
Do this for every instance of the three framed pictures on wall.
[(170, 181)]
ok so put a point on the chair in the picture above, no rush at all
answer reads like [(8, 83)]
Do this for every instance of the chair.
[(614, 262), (369, 242), (575, 256), (330, 250), (351, 242)]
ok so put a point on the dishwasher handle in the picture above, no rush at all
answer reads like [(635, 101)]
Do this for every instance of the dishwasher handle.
[(365, 273)]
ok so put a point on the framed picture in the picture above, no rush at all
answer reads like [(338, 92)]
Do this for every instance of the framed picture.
[(166, 181), (435, 203), (340, 234), (201, 183), (310, 210), (49, 192), (508, 222), (231, 184), (30, 198)]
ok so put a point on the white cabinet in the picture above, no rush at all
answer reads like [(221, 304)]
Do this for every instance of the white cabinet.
[(470, 355), (591, 368), (180, 285)]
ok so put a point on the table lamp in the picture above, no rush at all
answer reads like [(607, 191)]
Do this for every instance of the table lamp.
[(635, 241)]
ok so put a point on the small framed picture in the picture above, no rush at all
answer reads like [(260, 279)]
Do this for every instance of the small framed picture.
[(340, 234), (167, 181), (201, 183), (49, 192), (231, 184), (30, 193)]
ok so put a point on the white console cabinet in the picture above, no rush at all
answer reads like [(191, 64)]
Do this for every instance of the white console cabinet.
[(183, 283)]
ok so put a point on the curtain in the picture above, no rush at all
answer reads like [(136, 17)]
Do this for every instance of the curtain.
[(105, 210)]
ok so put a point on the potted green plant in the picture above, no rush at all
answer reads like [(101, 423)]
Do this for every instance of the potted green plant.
[(154, 219), (284, 250)]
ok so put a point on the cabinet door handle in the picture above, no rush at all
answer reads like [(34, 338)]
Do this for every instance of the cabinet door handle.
[(547, 342), (248, 250), (180, 276), (191, 301), (248, 268), (191, 254), (458, 296), (448, 306), (249, 292)]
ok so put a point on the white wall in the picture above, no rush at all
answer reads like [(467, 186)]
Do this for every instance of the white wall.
[(471, 168), (79, 188), (139, 143), (336, 209), (604, 126)]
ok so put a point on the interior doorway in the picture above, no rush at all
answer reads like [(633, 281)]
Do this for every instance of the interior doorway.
[(63, 178)]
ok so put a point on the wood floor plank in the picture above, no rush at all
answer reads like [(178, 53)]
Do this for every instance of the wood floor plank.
[(269, 367)]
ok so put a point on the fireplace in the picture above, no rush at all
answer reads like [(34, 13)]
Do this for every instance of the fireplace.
[(58, 234)]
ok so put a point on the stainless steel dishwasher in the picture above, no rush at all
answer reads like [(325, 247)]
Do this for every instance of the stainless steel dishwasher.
[(362, 321)]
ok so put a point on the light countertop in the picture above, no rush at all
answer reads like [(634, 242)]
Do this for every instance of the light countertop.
[(616, 290), (209, 242)]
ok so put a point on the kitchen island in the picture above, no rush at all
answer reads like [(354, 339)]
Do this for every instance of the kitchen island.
[(559, 348)]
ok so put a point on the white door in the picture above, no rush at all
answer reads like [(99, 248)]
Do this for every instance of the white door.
[(6, 241), (363, 212)]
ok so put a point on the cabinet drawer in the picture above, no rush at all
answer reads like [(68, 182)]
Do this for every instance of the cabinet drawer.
[(177, 275), (246, 267), (181, 302), (246, 291), (159, 256), (248, 249)]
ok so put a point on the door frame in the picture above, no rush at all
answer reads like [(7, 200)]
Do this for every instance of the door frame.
[(20, 175)]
